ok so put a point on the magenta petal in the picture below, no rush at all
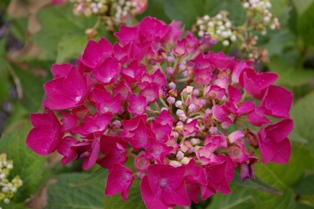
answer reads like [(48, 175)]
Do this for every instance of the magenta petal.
[(46, 135), (150, 198), (280, 130), (107, 72), (246, 107), (277, 101), (119, 180), (95, 52), (90, 160), (283, 152), (137, 105), (177, 197), (65, 149), (74, 84), (127, 34), (60, 70), (220, 60), (151, 93)]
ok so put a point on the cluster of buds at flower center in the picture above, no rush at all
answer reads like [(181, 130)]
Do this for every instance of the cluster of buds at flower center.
[(168, 103), (7, 188), (219, 27)]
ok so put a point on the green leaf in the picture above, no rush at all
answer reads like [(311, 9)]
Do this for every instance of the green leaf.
[(57, 23), (304, 206), (288, 76), (282, 176), (97, 176), (70, 46), (264, 200), (280, 9), (185, 10), (135, 199), (305, 26), (255, 184), (302, 114), (155, 9), (28, 165), (303, 5), (32, 88), (239, 198), (306, 186), (62, 196), (4, 81), (279, 41), (237, 14)]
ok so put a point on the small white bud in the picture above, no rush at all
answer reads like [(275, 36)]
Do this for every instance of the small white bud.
[(225, 43), (5, 189), (200, 33), (169, 70), (189, 89), (182, 117), (228, 24), (219, 16), (180, 155), (171, 100), (178, 104), (172, 85), (221, 27), (195, 141), (6, 200), (192, 108), (272, 26), (224, 34), (206, 17), (264, 32), (218, 32), (267, 19), (268, 5), (180, 112), (246, 5), (199, 22), (185, 74), (210, 24), (233, 38), (170, 59), (175, 163), (202, 27), (196, 92), (185, 160)]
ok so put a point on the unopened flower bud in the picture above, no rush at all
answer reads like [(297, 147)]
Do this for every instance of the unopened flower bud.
[(172, 85), (91, 32), (175, 163), (171, 100), (178, 104), (169, 70)]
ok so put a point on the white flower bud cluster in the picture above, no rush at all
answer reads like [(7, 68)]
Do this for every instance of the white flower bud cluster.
[(219, 27), (89, 7), (122, 8), (261, 8), (7, 188)]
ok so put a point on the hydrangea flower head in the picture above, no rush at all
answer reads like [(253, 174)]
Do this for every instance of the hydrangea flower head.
[(167, 102)]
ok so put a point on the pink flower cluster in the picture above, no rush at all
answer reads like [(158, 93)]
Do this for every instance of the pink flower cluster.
[(177, 109)]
